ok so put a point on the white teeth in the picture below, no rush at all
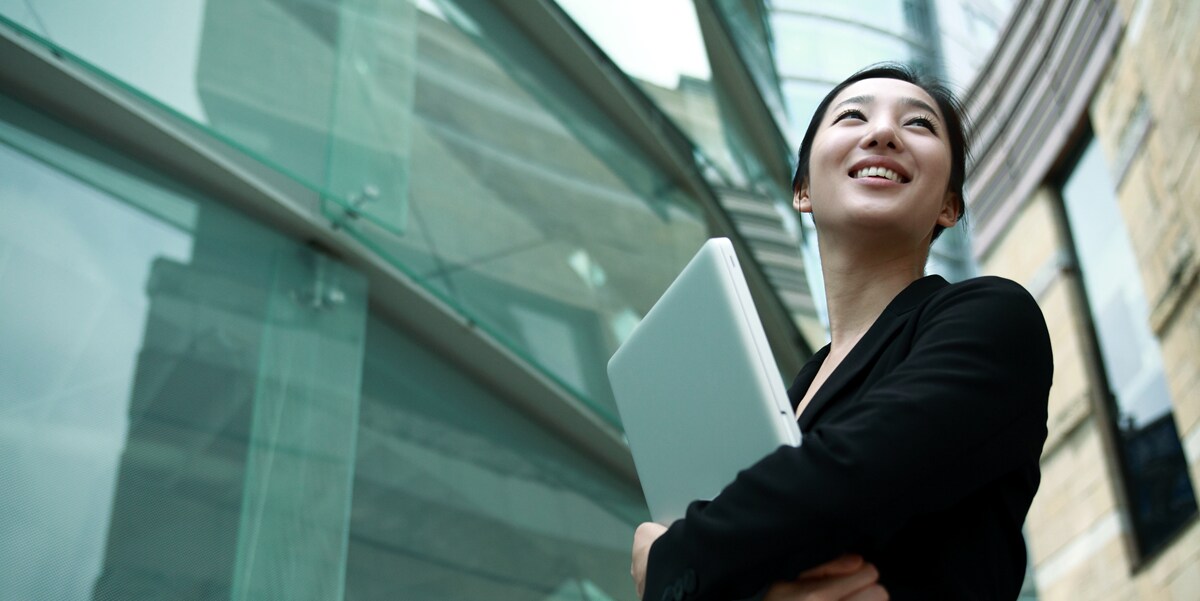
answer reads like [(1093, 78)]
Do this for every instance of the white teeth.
[(879, 172)]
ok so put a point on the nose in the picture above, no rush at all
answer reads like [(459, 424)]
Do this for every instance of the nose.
[(883, 133)]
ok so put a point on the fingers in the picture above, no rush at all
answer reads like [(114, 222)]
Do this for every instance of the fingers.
[(842, 565), (643, 538), (875, 592), (843, 586), (858, 585)]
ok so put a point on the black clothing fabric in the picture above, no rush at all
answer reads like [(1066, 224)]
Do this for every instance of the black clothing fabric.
[(920, 452)]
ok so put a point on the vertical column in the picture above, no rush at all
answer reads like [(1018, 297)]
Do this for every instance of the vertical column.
[(370, 123), (294, 528)]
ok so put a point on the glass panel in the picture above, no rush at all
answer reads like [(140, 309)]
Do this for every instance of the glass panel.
[(751, 33), (479, 168), (816, 48), (158, 393), (320, 91), (802, 98), (528, 211), (370, 142), (1160, 490), (884, 14), (74, 265), (662, 49), (294, 527), (436, 134), (459, 497)]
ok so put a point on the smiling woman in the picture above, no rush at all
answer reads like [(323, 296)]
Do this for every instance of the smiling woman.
[(923, 419), (927, 105)]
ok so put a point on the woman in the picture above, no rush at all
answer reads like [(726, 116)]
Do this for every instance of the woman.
[(924, 417)]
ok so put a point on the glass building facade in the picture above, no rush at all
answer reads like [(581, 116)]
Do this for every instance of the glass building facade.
[(313, 300)]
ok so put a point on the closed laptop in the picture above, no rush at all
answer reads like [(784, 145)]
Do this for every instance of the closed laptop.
[(697, 387)]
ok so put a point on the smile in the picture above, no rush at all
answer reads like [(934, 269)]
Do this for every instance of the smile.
[(879, 172)]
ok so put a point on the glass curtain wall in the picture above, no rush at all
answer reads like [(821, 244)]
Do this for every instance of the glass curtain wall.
[(195, 406), (818, 44), (435, 133), (530, 211), (749, 23), (1158, 487), (663, 50), (668, 50), (457, 497), (179, 390)]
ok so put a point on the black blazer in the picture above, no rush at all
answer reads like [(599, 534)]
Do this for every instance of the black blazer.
[(920, 452)]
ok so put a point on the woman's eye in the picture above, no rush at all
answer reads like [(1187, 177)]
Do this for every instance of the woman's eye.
[(925, 122), (850, 114)]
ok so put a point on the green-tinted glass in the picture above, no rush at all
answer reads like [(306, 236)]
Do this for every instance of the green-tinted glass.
[(371, 118), (814, 48), (300, 462), (750, 30), (320, 91), (434, 132), (888, 15), (458, 497), (178, 386), (527, 210), (660, 45)]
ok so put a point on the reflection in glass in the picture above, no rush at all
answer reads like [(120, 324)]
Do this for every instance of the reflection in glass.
[(333, 115), (1156, 473), (821, 49), (528, 211), (802, 98), (663, 51), (178, 386), (655, 42), (434, 132), (751, 32), (74, 266), (887, 15), (459, 497)]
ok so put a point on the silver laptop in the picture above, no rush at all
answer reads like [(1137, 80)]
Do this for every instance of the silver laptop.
[(697, 387)]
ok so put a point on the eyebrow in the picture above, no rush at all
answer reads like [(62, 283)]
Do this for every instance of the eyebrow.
[(907, 101)]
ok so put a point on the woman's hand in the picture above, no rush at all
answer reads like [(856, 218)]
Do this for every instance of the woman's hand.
[(847, 578), (643, 537)]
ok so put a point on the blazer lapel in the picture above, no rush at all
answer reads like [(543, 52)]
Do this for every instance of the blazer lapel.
[(868, 348)]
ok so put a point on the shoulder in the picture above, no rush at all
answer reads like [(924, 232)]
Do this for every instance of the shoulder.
[(988, 285), (987, 297), (995, 309)]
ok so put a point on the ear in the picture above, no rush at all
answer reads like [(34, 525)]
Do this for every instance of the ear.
[(800, 199), (949, 213)]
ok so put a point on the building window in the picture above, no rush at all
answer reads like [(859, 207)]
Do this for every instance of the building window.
[(1158, 489)]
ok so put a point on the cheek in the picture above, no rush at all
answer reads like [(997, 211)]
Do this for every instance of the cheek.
[(822, 168)]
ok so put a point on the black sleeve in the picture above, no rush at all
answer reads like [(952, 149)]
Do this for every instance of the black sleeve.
[(966, 406)]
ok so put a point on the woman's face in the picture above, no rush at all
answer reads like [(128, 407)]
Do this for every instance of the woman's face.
[(880, 164)]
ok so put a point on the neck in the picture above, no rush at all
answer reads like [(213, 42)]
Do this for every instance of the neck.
[(859, 287)]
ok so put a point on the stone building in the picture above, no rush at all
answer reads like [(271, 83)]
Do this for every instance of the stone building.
[(1085, 189)]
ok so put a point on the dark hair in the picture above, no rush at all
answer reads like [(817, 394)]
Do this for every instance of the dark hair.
[(952, 114)]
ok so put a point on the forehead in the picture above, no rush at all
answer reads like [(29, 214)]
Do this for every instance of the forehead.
[(886, 91)]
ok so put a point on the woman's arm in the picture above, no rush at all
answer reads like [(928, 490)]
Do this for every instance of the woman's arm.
[(964, 407), (847, 578)]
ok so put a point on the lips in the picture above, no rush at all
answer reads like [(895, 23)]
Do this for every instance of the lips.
[(881, 167)]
